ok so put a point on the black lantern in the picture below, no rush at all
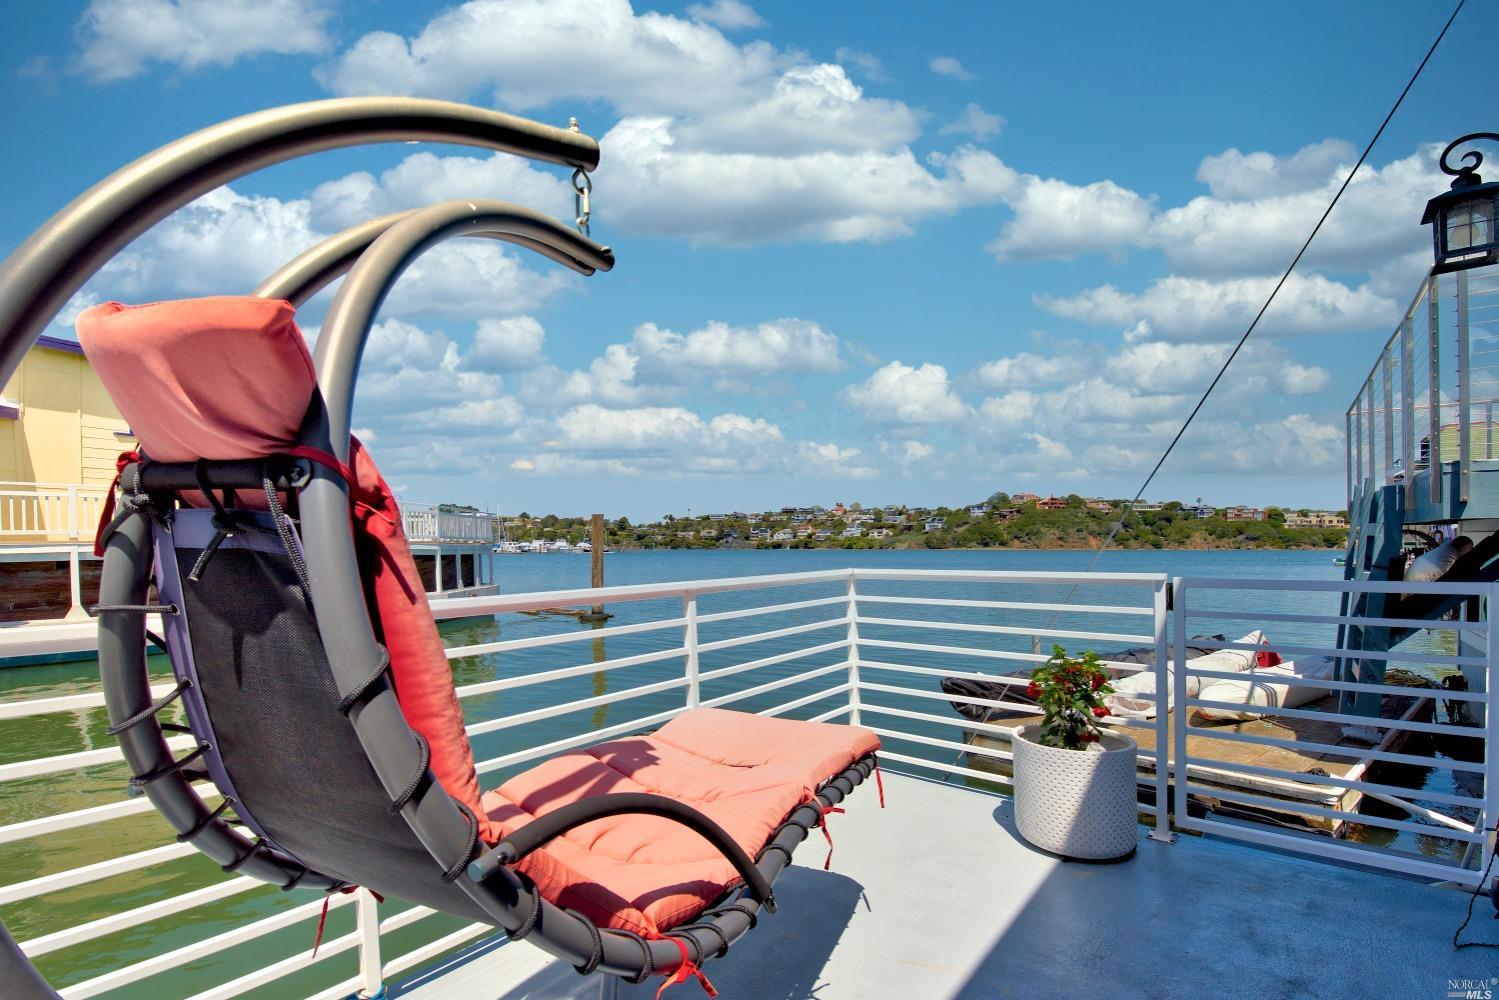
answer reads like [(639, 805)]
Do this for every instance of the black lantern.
[(1462, 220)]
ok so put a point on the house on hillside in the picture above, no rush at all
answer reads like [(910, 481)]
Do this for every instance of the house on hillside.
[(934, 524), (1245, 514), (1024, 497), (1052, 503), (1200, 510)]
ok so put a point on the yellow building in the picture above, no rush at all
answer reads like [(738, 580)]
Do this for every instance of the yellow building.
[(59, 436)]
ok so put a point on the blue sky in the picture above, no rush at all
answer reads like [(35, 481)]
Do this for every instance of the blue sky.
[(887, 253)]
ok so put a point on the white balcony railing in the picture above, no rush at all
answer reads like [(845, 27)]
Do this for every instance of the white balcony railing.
[(863, 645), (49, 512), (427, 523), (69, 512)]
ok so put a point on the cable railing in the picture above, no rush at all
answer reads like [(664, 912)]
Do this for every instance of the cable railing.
[(1430, 397), (866, 646)]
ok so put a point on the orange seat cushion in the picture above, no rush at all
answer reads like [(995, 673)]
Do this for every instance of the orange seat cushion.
[(648, 874)]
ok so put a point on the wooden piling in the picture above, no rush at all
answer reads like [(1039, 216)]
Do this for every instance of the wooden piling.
[(596, 543)]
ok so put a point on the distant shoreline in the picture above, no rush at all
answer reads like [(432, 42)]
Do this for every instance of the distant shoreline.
[(976, 548)]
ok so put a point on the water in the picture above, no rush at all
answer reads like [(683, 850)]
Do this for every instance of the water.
[(71, 732)]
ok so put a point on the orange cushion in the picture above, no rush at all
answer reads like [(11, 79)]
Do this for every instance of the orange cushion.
[(228, 377), (648, 874), (223, 377)]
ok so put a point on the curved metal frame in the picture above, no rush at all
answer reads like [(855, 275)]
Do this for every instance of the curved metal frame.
[(39, 277), (302, 277), (37, 280), (350, 644)]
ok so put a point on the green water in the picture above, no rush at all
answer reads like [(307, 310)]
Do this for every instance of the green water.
[(75, 731)]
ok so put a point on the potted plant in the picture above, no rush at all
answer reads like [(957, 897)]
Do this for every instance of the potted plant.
[(1074, 780)]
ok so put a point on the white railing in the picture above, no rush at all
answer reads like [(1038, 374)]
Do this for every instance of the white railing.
[(427, 523), (49, 511), (866, 645), (1430, 398), (1465, 815)]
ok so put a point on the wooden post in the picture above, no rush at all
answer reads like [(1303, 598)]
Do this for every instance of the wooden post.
[(596, 554)]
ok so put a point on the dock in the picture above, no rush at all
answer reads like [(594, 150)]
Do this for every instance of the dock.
[(1201, 743)]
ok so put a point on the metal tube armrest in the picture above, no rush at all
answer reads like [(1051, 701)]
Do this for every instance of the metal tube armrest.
[(539, 831)]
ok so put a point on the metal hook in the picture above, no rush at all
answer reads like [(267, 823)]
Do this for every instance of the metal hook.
[(582, 188)]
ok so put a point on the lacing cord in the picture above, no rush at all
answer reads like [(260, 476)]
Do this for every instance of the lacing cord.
[(777, 847), (349, 700), (140, 781), (529, 924), (711, 928), (134, 609), (597, 955), (226, 525), (283, 530), (295, 880), (152, 709), (205, 822), (647, 965), (451, 875), (240, 861), (424, 753)]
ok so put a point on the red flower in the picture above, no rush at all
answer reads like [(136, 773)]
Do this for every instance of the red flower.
[(1088, 738), (1033, 690), (1097, 681), (1100, 711)]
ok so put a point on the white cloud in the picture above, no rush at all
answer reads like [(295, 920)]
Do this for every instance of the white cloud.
[(527, 52), (949, 67), (1029, 370), (1197, 309), (974, 121), (673, 441), (1236, 176), (869, 65), (728, 14), (768, 348), (745, 198), (1260, 224), (719, 143), (512, 344), (1055, 220), (901, 394), (118, 38), (657, 364)]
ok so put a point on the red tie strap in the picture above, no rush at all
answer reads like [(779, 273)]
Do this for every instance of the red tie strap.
[(317, 938), (822, 822), (107, 515), (323, 458), (879, 782), (687, 969)]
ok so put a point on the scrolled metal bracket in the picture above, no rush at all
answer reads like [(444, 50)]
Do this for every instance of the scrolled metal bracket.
[(1472, 159)]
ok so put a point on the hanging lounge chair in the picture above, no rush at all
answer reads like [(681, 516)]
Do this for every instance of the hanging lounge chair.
[(303, 651)]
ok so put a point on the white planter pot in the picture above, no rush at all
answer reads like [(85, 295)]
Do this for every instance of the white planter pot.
[(1076, 803)]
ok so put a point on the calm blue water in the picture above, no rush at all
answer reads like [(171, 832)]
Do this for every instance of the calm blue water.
[(70, 732)]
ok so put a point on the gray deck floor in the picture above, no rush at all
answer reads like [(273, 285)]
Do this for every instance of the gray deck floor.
[(936, 896)]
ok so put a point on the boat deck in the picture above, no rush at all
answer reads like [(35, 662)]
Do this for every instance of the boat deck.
[(1202, 744), (937, 896)]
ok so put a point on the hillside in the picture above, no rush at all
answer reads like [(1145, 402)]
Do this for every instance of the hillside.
[(1002, 525)]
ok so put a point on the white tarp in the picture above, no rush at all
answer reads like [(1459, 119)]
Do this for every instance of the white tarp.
[(1134, 695), (1257, 689)]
